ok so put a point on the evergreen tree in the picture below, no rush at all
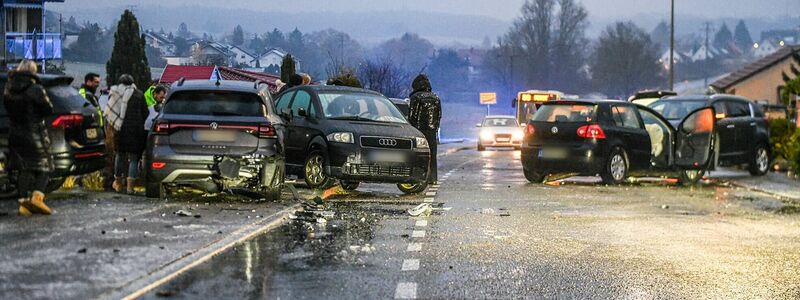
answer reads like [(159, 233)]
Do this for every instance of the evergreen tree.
[(660, 35), (287, 68), (723, 37), (128, 56), (256, 44), (183, 31), (295, 41), (742, 37), (275, 39), (238, 36)]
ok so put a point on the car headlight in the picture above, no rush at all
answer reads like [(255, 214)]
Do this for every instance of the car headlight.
[(486, 135), (341, 137), (422, 143), (517, 135)]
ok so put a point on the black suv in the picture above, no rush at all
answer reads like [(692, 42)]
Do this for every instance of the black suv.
[(77, 139), (615, 139), (216, 136), (354, 135), (742, 132)]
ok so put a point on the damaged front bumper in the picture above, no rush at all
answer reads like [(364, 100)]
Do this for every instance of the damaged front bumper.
[(355, 163)]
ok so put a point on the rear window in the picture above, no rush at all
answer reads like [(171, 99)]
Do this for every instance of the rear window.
[(676, 109), (215, 103), (565, 113), (66, 99)]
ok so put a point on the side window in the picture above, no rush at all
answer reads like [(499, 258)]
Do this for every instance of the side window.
[(283, 101), (737, 109), (625, 116), (301, 100)]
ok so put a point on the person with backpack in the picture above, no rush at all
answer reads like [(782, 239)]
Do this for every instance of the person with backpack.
[(425, 113)]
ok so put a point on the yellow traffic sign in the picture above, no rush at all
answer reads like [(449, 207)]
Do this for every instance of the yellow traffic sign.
[(488, 98)]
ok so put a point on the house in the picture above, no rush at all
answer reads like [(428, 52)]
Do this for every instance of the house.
[(242, 57), (211, 53), (160, 42), (178, 60), (764, 48), (761, 80), (272, 58), (475, 59), (782, 36), (173, 73), (25, 38)]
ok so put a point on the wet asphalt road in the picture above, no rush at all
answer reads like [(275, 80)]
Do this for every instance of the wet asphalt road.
[(505, 238)]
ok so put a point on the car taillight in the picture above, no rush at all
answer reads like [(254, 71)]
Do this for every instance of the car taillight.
[(161, 127), (266, 131), (158, 165), (529, 130), (66, 121), (591, 132)]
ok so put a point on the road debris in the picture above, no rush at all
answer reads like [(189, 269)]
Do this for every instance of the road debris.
[(182, 213), (423, 209)]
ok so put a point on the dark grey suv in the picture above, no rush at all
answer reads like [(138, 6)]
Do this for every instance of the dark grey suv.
[(216, 136), (742, 136)]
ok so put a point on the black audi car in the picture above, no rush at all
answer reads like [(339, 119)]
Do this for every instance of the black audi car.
[(216, 136), (615, 139), (351, 135), (76, 135)]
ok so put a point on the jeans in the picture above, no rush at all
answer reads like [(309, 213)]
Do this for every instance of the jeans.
[(433, 143), (31, 181), (129, 161)]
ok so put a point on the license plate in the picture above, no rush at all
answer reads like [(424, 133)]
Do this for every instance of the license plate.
[(552, 153), (387, 156), (91, 133), (214, 136)]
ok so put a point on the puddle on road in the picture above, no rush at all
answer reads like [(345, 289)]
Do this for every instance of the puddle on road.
[(256, 266)]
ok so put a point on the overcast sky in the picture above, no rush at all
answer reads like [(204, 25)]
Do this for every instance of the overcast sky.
[(501, 9)]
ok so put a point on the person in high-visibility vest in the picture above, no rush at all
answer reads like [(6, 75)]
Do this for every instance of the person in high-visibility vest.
[(89, 91), (154, 96)]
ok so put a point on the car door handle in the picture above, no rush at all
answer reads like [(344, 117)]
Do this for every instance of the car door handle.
[(731, 126)]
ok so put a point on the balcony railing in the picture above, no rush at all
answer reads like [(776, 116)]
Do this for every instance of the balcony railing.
[(21, 45)]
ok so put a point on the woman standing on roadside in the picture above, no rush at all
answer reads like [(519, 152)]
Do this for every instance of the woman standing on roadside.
[(28, 141)]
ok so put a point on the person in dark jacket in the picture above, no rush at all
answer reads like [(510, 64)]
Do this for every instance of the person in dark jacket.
[(425, 113), (28, 141), (128, 113)]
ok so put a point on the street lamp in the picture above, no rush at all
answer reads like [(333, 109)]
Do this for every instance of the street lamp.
[(671, 45)]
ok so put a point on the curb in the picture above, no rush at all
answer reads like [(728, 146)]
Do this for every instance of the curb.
[(169, 271), (781, 196)]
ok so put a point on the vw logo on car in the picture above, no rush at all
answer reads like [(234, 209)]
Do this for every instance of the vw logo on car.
[(387, 142), (554, 130), (214, 125)]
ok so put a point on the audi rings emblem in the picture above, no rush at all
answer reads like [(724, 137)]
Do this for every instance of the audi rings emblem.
[(214, 125), (387, 142), (554, 130)]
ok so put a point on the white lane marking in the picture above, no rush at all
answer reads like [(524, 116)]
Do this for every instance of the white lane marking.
[(433, 189), (414, 247), (410, 265), (428, 200), (406, 290), (436, 186), (421, 223), (430, 194), (418, 233)]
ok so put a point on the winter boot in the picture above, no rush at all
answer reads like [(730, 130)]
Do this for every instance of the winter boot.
[(117, 185), (131, 185), (36, 205), (23, 211)]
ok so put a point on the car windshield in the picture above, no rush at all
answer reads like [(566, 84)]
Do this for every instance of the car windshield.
[(358, 106), (676, 109), (217, 103), (565, 113), (500, 122)]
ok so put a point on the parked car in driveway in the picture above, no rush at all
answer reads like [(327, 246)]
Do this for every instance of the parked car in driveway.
[(217, 136), (499, 131), (351, 135), (615, 139), (77, 139), (742, 135)]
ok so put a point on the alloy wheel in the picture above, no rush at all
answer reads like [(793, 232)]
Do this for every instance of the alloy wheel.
[(618, 167), (762, 160), (314, 170)]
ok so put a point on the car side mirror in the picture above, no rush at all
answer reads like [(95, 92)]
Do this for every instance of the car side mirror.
[(302, 112), (286, 113), (478, 125)]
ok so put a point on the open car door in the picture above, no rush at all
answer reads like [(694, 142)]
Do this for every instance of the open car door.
[(694, 139)]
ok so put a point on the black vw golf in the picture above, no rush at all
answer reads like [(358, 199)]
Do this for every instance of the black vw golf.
[(353, 135), (616, 139)]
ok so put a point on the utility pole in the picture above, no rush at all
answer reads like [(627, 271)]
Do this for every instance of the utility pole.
[(672, 45), (706, 59)]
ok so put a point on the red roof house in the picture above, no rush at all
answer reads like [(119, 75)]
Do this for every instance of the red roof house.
[(173, 73)]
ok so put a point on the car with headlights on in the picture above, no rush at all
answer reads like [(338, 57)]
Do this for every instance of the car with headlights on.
[(616, 139), (351, 135), (499, 131)]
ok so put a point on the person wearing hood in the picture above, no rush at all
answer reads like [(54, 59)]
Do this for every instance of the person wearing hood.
[(28, 141), (126, 113), (425, 113)]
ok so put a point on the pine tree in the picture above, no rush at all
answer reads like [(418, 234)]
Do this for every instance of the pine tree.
[(128, 56), (287, 68), (742, 37), (723, 37), (238, 36)]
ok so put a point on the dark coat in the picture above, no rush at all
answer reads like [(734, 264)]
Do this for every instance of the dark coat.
[(132, 137), (28, 106), (425, 108)]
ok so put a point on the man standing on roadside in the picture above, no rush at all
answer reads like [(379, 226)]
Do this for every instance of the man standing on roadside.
[(154, 97), (89, 91), (425, 114)]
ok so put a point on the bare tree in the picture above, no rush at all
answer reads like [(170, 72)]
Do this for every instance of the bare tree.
[(625, 60), (383, 76)]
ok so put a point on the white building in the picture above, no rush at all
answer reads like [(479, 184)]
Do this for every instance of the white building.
[(242, 57), (160, 42), (764, 48), (272, 57)]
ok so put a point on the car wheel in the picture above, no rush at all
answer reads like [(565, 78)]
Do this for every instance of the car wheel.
[(759, 163), (350, 185), (616, 168), (412, 188), (154, 190), (532, 175), (314, 172), (481, 147), (690, 177), (54, 184)]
